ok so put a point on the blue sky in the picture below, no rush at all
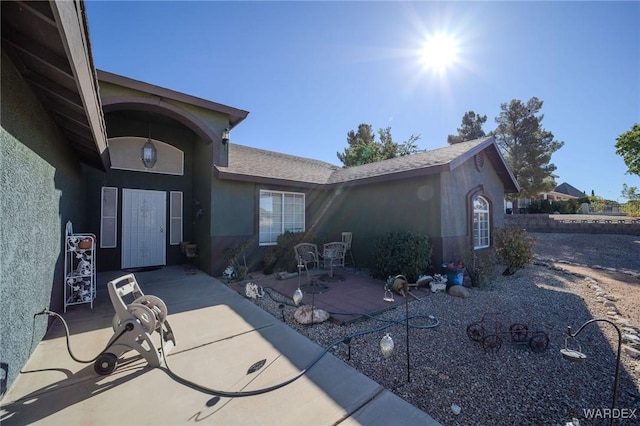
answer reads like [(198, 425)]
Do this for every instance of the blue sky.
[(309, 72)]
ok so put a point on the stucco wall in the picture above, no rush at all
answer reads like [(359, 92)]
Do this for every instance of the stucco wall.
[(370, 211), (205, 154), (109, 259), (40, 189), (235, 218), (458, 187)]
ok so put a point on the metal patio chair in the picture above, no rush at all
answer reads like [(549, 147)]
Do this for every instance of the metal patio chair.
[(333, 255), (347, 237), (307, 253)]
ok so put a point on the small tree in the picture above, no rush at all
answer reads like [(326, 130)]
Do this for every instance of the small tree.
[(628, 147), (632, 207), (514, 248), (480, 265)]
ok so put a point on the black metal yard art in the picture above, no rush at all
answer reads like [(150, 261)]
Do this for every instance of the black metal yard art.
[(489, 332)]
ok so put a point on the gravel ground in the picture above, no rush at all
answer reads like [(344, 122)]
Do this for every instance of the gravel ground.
[(513, 386)]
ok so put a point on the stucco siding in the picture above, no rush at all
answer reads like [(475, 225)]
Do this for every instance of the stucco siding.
[(235, 218), (371, 211), (458, 187), (174, 134), (40, 189)]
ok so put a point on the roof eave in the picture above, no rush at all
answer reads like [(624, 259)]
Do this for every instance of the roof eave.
[(81, 62), (235, 115), (407, 174)]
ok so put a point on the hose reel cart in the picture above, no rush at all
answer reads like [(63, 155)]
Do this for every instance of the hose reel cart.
[(134, 325)]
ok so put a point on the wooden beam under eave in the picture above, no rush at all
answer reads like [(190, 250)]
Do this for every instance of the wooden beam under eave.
[(72, 25)]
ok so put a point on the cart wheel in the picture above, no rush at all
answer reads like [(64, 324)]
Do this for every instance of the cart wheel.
[(105, 364), (475, 331), (491, 343), (539, 341), (519, 332)]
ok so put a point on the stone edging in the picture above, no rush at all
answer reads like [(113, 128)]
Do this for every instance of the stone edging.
[(630, 331)]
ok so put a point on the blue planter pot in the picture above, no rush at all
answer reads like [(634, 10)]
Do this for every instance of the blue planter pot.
[(454, 276)]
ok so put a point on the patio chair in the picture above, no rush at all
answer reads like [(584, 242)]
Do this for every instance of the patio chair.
[(347, 237), (307, 253), (333, 255)]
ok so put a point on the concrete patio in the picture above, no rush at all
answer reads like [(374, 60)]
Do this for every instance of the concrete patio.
[(220, 336)]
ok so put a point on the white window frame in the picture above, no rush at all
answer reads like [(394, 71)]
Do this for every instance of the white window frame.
[(104, 217), (175, 218), (481, 224), (295, 224)]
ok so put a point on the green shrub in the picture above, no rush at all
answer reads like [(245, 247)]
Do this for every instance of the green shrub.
[(480, 265), (514, 248), (632, 208), (281, 256), (403, 253), (546, 206)]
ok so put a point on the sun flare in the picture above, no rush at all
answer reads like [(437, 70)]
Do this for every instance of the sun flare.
[(440, 52)]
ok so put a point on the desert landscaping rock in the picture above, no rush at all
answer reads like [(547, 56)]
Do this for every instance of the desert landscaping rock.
[(459, 291), (303, 315), (513, 385), (632, 352)]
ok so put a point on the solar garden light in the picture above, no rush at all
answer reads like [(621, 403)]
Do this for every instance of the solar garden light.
[(297, 295), (577, 356), (386, 344)]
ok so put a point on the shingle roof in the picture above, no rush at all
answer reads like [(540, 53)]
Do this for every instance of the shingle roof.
[(419, 161), (246, 163), (565, 188), (252, 164)]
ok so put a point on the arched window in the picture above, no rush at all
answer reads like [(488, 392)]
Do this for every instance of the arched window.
[(481, 227)]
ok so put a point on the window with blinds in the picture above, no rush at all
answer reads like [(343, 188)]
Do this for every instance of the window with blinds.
[(280, 212)]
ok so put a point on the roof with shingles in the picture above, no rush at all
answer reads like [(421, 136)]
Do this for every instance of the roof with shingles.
[(419, 161), (252, 164), (565, 188), (246, 163)]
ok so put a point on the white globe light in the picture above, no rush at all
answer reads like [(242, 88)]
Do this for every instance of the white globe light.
[(386, 346)]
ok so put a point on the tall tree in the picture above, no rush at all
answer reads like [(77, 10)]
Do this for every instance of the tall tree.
[(363, 148), (471, 128), (527, 147), (628, 147)]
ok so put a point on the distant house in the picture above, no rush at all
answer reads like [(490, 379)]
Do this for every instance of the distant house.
[(562, 192), (146, 168)]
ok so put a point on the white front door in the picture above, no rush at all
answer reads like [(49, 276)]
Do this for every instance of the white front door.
[(143, 228)]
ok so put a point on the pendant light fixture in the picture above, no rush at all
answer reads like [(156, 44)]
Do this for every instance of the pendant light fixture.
[(149, 152)]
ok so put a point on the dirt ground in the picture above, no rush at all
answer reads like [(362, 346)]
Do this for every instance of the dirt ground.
[(619, 252)]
